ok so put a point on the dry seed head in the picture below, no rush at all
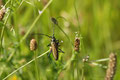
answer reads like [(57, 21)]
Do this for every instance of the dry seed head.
[(111, 67), (33, 45), (76, 44), (2, 12)]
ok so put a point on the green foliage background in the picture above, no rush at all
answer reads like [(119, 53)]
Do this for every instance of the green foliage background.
[(99, 28)]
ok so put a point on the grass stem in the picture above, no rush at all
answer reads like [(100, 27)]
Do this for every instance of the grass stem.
[(35, 21), (101, 60), (25, 65), (36, 66), (2, 32), (77, 17)]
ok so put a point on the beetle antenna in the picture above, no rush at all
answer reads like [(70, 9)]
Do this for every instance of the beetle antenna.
[(41, 34), (56, 23), (53, 29)]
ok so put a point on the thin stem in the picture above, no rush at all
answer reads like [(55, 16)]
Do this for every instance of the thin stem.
[(41, 34), (25, 65), (2, 32), (20, 4), (7, 3), (100, 65), (82, 77), (67, 64), (66, 36), (35, 21), (77, 17), (77, 67), (63, 31), (11, 55), (101, 60), (62, 18), (29, 3), (36, 66)]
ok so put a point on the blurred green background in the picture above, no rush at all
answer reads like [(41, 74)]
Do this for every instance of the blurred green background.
[(99, 28)]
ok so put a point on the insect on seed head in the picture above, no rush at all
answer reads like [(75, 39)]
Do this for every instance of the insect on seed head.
[(33, 45)]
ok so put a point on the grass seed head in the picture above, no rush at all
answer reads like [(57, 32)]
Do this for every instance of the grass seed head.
[(111, 67), (76, 44), (33, 45), (2, 13)]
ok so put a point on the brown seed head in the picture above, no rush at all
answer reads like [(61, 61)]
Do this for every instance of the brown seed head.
[(33, 45), (111, 67), (76, 44), (2, 12)]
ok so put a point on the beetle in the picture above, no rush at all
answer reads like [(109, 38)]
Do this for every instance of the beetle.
[(54, 48), (54, 44)]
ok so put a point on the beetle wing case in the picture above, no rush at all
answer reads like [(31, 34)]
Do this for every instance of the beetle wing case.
[(54, 50)]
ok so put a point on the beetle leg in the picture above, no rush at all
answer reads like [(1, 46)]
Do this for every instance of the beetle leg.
[(57, 42), (50, 52), (48, 45), (61, 51)]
